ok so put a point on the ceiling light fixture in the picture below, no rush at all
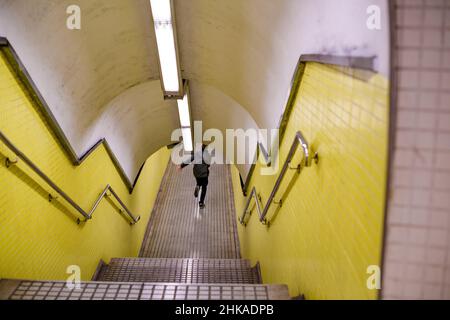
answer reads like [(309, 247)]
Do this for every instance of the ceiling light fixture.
[(166, 41), (184, 111), (187, 139)]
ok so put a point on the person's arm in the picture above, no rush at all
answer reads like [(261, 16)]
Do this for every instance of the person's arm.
[(185, 164)]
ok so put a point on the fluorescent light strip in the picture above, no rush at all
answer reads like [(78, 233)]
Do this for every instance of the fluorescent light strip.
[(187, 139), (161, 10), (165, 40), (183, 111)]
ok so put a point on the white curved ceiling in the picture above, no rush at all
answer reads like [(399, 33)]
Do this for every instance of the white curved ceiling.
[(136, 124), (218, 111), (250, 48), (239, 55)]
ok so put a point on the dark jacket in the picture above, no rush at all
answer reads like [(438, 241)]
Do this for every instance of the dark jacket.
[(201, 170)]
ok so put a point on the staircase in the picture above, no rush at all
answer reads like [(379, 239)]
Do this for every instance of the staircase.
[(187, 254), (156, 279), (179, 271)]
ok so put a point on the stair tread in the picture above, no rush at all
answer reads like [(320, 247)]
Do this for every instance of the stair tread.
[(218, 263), (182, 270), (38, 290), (180, 273)]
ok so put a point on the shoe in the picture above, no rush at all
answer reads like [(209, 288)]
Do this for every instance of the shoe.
[(197, 189), (202, 205)]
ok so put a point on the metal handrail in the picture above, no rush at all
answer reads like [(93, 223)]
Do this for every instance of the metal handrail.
[(40, 173), (257, 197), (306, 162)]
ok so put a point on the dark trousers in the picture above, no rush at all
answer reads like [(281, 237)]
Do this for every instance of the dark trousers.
[(203, 183)]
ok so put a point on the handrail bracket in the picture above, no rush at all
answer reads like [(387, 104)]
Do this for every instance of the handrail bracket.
[(9, 162)]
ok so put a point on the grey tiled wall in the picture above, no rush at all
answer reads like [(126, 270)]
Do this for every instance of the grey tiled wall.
[(417, 256)]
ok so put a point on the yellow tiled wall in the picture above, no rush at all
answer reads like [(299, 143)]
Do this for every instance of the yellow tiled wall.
[(39, 239), (330, 227)]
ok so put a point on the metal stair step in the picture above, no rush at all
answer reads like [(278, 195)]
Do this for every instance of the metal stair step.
[(150, 262), (180, 271), (58, 290)]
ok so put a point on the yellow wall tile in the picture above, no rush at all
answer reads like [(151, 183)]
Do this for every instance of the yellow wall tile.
[(38, 239), (330, 227)]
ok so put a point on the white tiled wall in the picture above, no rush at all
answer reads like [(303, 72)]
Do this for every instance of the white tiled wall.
[(417, 256)]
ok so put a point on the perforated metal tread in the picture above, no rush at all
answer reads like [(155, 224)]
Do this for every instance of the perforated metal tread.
[(180, 270), (56, 290), (151, 262), (179, 229)]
